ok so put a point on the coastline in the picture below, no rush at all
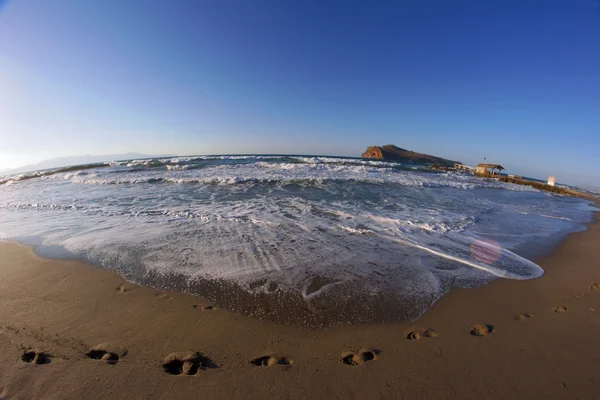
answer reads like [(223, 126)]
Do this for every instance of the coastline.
[(66, 307)]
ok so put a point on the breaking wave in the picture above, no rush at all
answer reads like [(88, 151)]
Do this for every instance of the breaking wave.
[(312, 234)]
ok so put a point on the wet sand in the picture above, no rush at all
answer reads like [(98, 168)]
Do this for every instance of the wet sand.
[(97, 336)]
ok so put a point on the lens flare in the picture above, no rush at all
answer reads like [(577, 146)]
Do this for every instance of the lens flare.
[(485, 251)]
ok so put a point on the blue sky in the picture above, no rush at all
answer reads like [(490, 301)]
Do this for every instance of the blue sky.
[(517, 82)]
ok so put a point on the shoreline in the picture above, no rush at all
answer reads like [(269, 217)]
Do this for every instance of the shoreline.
[(345, 306), (64, 308)]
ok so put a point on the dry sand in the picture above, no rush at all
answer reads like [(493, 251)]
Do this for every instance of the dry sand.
[(96, 336)]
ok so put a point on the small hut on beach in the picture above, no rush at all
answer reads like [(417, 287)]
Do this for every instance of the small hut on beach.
[(488, 169)]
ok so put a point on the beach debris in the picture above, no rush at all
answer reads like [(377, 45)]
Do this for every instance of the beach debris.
[(595, 286), (311, 343), (360, 357), (524, 316), (482, 330), (560, 309), (107, 353), (578, 296), (186, 363), (271, 360), (35, 357)]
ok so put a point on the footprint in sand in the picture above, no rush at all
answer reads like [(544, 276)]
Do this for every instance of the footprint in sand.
[(560, 309), (595, 286), (187, 363), (204, 308), (482, 330), (360, 357), (416, 335), (524, 316), (271, 360), (107, 353), (35, 357)]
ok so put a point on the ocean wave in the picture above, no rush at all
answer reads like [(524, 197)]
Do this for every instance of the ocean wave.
[(171, 163), (25, 206), (178, 167), (338, 160), (292, 173), (283, 170), (556, 217), (281, 222)]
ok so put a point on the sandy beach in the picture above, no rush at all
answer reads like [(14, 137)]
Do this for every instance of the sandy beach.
[(97, 336), (299, 200)]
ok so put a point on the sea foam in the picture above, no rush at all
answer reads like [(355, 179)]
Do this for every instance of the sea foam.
[(321, 230)]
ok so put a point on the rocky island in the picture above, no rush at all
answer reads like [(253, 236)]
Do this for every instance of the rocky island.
[(389, 152)]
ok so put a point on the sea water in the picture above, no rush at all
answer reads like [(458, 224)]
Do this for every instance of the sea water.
[(306, 240)]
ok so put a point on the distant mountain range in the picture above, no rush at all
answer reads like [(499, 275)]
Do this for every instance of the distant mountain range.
[(77, 160), (393, 153)]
